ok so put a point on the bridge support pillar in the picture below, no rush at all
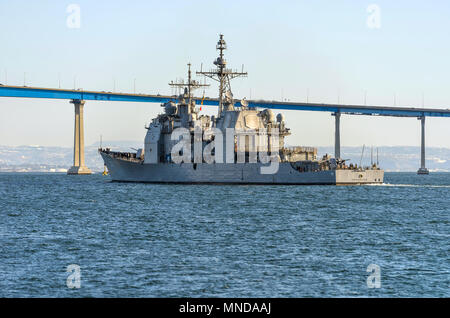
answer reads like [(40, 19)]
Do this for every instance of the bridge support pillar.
[(422, 169), (337, 134), (78, 147)]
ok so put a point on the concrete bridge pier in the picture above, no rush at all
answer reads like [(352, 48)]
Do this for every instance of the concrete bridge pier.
[(422, 169), (337, 134), (78, 147)]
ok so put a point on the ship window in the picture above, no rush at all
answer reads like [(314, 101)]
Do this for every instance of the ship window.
[(195, 166)]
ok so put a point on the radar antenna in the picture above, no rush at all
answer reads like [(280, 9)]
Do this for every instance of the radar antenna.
[(223, 75), (188, 87)]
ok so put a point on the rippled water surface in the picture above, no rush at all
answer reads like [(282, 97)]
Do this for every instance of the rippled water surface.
[(144, 240)]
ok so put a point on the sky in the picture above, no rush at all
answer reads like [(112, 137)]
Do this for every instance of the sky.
[(378, 52)]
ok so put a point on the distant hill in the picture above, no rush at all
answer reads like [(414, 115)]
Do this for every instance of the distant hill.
[(55, 159), (58, 159)]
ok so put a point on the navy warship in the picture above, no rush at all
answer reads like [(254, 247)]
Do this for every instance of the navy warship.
[(241, 145)]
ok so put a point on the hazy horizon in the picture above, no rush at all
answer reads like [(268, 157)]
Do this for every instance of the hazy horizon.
[(107, 143)]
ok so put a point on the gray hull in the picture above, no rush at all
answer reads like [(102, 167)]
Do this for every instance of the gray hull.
[(239, 173)]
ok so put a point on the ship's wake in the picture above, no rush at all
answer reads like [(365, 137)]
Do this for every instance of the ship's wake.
[(409, 185)]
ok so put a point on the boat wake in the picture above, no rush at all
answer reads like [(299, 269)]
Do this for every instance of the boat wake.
[(409, 185)]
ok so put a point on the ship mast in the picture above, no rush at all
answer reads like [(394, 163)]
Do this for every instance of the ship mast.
[(223, 75), (190, 86)]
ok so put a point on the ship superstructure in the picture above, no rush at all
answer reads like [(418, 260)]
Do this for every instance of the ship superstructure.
[(239, 145)]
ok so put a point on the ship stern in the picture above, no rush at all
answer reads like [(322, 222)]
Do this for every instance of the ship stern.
[(358, 177)]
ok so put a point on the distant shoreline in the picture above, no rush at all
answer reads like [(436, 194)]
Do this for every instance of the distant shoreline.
[(46, 159)]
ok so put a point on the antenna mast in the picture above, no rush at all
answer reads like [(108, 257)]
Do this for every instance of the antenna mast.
[(371, 156), (223, 75), (362, 154), (190, 86), (377, 157)]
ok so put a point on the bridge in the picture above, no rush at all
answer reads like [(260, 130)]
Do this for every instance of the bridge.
[(78, 98)]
